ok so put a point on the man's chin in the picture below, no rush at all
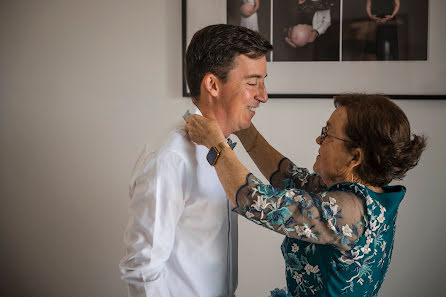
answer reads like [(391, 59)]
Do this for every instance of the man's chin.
[(245, 125)]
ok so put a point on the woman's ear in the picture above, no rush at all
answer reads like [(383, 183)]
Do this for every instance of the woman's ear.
[(210, 84), (357, 157)]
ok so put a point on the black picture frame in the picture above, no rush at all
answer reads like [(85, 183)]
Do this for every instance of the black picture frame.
[(438, 92)]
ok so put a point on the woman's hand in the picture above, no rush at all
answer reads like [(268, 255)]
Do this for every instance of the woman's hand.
[(204, 131)]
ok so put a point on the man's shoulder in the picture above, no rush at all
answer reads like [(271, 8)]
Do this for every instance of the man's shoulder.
[(177, 143), (176, 148)]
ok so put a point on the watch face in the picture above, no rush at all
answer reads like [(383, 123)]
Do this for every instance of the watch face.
[(212, 156)]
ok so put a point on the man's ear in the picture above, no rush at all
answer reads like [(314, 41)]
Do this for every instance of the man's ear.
[(210, 84)]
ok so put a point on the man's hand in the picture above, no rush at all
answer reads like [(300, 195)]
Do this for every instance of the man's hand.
[(313, 36), (204, 131)]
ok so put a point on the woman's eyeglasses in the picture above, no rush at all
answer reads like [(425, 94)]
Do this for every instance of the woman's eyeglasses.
[(324, 134)]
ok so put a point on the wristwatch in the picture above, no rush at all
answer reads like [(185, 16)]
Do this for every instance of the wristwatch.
[(215, 152)]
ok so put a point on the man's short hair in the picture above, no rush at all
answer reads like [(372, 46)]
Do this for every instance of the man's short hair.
[(214, 48)]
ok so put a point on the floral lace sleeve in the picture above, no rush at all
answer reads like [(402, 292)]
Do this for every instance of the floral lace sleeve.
[(289, 176), (330, 217)]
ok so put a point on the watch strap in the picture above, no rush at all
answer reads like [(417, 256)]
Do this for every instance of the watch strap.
[(219, 147), (215, 152)]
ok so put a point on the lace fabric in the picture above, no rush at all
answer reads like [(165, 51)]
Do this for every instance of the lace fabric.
[(339, 239), (298, 205)]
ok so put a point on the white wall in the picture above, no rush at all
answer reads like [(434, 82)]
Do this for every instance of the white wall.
[(83, 84)]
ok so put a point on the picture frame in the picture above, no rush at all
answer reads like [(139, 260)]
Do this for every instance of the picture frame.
[(415, 79)]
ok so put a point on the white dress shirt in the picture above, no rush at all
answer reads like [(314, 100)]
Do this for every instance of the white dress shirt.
[(181, 237), (321, 21)]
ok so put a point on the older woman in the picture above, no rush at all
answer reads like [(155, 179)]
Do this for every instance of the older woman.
[(339, 222)]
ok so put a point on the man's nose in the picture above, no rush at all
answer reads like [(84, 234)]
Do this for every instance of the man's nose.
[(262, 95)]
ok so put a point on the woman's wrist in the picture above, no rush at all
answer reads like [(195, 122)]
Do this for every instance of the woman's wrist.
[(215, 141), (247, 136), (253, 143)]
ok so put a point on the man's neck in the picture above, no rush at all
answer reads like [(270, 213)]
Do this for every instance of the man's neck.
[(210, 113)]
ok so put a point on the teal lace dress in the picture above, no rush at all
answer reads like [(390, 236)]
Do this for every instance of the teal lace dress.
[(338, 240)]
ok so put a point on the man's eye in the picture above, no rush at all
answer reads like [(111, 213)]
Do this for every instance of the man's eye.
[(252, 83)]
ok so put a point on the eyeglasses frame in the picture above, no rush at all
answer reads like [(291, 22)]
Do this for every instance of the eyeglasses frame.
[(324, 135)]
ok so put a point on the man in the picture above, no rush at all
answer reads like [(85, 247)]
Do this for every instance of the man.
[(181, 237)]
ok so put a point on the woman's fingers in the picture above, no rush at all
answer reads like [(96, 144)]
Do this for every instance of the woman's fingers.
[(203, 131)]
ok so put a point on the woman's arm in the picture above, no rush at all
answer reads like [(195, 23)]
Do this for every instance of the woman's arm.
[(325, 218), (256, 5), (277, 169), (395, 9), (368, 8), (265, 156), (230, 170), (288, 40), (333, 217)]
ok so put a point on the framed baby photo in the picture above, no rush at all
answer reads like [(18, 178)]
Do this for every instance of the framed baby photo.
[(328, 47)]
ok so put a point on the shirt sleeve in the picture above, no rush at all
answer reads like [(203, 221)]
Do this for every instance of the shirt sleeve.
[(332, 217), (289, 176), (321, 21), (157, 201)]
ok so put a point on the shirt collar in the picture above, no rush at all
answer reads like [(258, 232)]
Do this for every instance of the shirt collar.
[(196, 110)]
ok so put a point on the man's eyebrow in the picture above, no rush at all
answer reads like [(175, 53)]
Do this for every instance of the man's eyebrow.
[(255, 76)]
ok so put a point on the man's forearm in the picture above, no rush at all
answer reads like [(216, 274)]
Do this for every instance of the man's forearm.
[(321, 21)]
